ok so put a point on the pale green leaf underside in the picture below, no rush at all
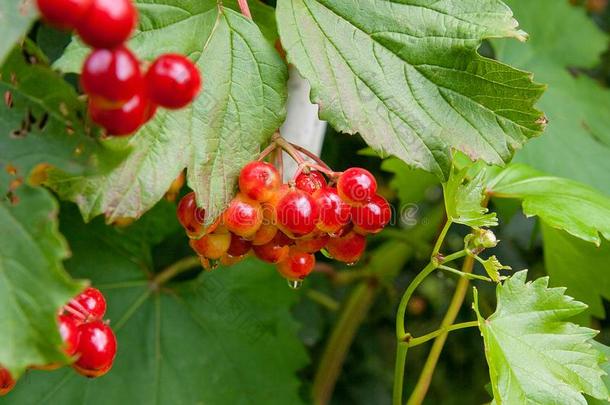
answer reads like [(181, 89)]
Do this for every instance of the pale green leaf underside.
[(16, 17), (33, 284), (561, 203), (464, 198), (241, 105), (534, 355), (226, 337), (407, 77)]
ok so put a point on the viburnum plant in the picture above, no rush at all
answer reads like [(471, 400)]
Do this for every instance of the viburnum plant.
[(163, 117)]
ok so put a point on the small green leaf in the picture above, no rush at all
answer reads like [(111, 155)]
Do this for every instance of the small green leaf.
[(406, 76), (41, 121), (33, 283), (464, 198), (580, 266), (16, 17), (561, 203), (534, 355), (240, 107), (576, 144), (223, 337), (493, 266)]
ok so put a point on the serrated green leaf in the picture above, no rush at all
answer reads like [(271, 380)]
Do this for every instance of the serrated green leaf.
[(225, 337), (241, 105), (534, 355), (605, 351), (493, 266), (464, 198), (576, 144), (33, 283), (406, 76), (16, 17), (561, 203), (578, 265), (41, 121)]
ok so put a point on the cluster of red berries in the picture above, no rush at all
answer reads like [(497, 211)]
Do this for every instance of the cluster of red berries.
[(86, 338), (121, 97), (286, 224)]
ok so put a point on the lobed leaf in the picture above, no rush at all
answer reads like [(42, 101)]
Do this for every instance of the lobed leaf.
[(406, 76), (534, 355)]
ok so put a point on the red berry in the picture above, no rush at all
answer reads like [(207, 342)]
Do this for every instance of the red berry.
[(6, 381), (123, 120), (68, 329), (244, 216), (310, 182), (297, 265), (334, 212), (63, 14), (259, 181), (264, 234), (297, 212), (190, 216), (91, 303), (97, 348), (107, 23), (173, 81), (239, 246), (274, 251), (373, 216), (312, 244), (347, 248), (112, 75), (356, 186), (212, 245)]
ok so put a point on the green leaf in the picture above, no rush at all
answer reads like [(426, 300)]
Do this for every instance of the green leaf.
[(411, 185), (605, 351), (33, 283), (41, 121), (188, 342), (580, 266), (16, 17), (576, 144), (407, 77), (241, 105), (534, 355), (464, 198), (561, 203), (493, 266)]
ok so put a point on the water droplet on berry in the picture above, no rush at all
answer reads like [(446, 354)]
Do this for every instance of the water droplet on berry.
[(295, 284)]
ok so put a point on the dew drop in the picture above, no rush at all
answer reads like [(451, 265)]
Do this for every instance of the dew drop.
[(295, 284)]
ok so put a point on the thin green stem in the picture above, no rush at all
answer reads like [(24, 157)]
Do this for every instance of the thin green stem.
[(423, 383), (441, 238), (462, 274), (402, 307), (454, 256), (182, 265), (423, 339), (323, 299), (399, 372)]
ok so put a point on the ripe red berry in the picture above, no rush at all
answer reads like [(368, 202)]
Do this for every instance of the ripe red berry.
[(6, 381), (68, 330), (123, 120), (63, 14), (347, 248), (112, 76), (312, 244), (274, 251), (264, 234), (96, 347), (173, 81), (297, 213), (373, 216), (239, 246), (356, 186), (91, 303), (297, 265), (310, 182), (244, 216), (259, 181), (334, 212), (212, 245), (107, 23), (190, 216)]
